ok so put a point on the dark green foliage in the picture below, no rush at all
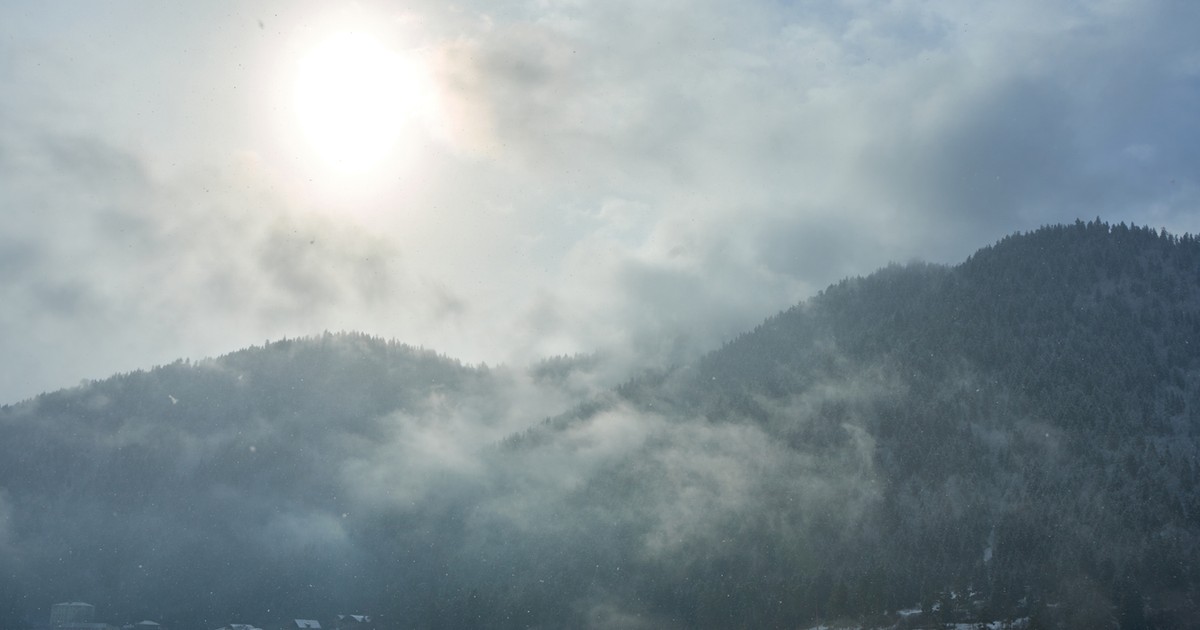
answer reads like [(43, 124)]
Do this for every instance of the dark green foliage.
[(1050, 388), (170, 493), (1013, 436)]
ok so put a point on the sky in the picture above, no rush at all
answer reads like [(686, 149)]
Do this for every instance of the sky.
[(528, 179)]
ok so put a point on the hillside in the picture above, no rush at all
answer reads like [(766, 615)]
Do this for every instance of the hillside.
[(1022, 425), (210, 491), (1032, 413), (1013, 436)]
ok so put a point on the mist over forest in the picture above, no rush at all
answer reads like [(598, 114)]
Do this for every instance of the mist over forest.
[(1014, 437)]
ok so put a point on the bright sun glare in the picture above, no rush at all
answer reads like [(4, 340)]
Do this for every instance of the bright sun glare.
[(353, 98)]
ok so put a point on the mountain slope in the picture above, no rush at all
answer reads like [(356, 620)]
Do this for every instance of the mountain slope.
[(1013, 436), (1048, 412), (226, 488), (1023, 425)]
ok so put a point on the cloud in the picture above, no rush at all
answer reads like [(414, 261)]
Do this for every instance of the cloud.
[(204, 261), (441, 445), (673, 482), (603, 176), (287, 534), (858, 138)]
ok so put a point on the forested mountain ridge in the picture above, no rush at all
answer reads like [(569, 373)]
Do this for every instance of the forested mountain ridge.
[(1031, 419), (1050, 407), (204, 492), (1012, 436)]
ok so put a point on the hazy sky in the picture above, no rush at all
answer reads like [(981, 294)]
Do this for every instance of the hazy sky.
[(644, 178)]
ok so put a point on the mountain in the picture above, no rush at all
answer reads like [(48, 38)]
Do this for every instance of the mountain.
[(1012, 437)]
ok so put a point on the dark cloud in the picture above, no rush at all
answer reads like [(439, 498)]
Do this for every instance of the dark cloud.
[(16, 258), (811, 248), (994, 160), (91, 161), (66, 300)]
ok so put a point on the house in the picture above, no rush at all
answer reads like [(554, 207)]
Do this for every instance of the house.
[(71, 612), (353, 622), (305, 624), (144, 625)]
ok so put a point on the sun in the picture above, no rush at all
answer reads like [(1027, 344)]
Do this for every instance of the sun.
[(353, 99)]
